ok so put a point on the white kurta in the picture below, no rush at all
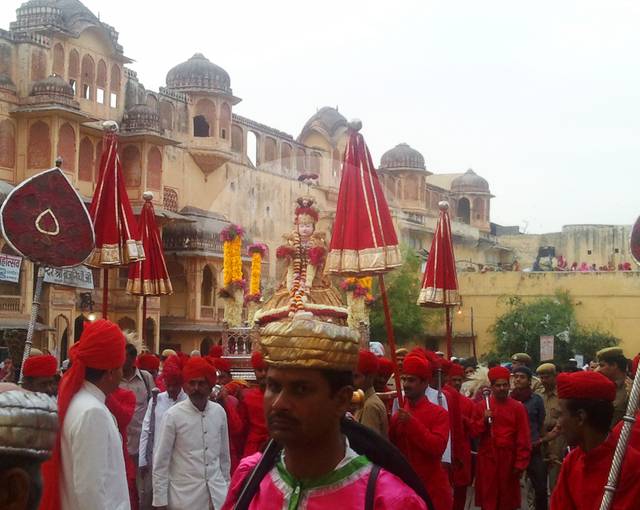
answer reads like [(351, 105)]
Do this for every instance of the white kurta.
[(93, 473), (163, 404), (191, 462)]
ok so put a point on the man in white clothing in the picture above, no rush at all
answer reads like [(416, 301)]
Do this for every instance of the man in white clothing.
[(87, 467), (158, 406), (191, 461)]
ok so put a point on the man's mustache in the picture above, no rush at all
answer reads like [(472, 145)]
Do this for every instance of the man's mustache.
[(280, 416)]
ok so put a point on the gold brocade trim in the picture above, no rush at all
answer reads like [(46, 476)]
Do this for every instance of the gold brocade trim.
[(139, 287), (112, 255), (307, 306), (309, 343), (438, 297), (369, 260)]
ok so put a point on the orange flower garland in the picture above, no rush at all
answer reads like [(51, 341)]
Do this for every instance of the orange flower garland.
[(232, 258), (257, 252)]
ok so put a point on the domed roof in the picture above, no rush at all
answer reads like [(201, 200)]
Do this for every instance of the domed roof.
[(53, 85), (327, 120), (7, 83), (198, 73), (141, 117), (470, 182), (402, 156)]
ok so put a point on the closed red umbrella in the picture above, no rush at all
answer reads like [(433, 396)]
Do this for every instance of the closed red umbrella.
[(440, 282), (364, 241), (117, 241), (149, 277)]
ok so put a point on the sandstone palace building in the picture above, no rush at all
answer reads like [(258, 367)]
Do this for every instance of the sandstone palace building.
[(63, 72)]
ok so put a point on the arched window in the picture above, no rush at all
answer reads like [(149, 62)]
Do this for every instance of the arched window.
[(301, 160), (101, 82), (67, 147), (170, 199), (74, 70), (478, 209), (58, 59), (154, 168), (39, 146), (464, 210), (270, 149), (236, 138), (152, 102), (85, 159), (208, 288), (127, 324), (7, 144), (286, 157), (38, 65), (252, 148), (166, 115), (225, 121), (316, 162), (205, 345), (131, 167), (114, 86), (88, 77), (204, 118), (201, 127)]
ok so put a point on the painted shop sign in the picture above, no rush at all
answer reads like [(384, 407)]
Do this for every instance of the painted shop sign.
[(77, 276), (10, 268)]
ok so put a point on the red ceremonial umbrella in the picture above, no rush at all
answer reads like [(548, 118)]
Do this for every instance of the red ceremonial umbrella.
[(149, 277), (117, 241), (364, 241), (440, 282)]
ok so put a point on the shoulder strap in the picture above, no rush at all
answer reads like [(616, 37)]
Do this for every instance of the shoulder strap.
[(144, 375), (371, 487)]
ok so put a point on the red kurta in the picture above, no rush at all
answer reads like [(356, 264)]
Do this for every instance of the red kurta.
[(236, 430), (583, 476), (253, 400), (504, 447), (459, 475), (423, 440)]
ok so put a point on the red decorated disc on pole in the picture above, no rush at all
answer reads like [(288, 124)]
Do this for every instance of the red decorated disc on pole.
[(45, 221)]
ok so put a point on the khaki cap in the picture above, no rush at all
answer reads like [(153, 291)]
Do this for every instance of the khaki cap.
[(522, 357), (402, 351), (168, 352), (546, 368), (609, 353)]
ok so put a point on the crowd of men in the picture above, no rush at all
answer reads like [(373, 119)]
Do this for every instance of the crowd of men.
[(142, 431)]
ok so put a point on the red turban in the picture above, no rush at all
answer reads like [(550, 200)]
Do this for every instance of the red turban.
[(43, 365), (585, 385), (257, 361), (172, 370), (496, 373), (456, 370), (198, 367), (215, 351), (101, 346), (367, 362), (223, 365), (148, 362), (385, 367), (417, 366), (418, 351)]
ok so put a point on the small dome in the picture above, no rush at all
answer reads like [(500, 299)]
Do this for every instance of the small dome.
[(402, 156), (54, 85), (327, 119), (470, 182), (198, 73), (6, 83), (141, 117), (37, 13)]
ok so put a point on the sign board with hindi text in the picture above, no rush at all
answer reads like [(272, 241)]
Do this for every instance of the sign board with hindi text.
[(10, 268), (546, 347), (77, 276)]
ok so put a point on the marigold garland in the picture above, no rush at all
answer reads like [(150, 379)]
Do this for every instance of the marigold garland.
[(232, 257), (257, 251)]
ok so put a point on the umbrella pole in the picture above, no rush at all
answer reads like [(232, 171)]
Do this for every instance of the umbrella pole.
[(391, 339), (105, 292), (35, 308), (448, 319), (144, 321)]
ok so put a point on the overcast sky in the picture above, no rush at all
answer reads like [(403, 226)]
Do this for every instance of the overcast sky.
[(540, 98)]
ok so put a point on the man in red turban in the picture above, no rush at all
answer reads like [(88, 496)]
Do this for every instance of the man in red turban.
[(586, 409), (150, 363), (504, 449), (40, 374), (372, 413), (252, 400), (87, 468), (421, 431), (191, 463), (159, 404)]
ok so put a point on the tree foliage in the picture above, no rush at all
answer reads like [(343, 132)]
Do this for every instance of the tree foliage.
[(520, 327), (403, 287)]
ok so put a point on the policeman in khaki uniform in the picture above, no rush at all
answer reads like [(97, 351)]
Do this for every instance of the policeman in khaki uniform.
[(553, 442), (613, 364)]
